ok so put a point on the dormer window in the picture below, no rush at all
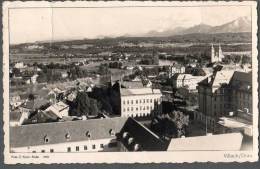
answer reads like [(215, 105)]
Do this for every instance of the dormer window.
[(112, 132), (67, 136), (88, 134), (125, 135), (130, 140), (137, 147), (46, 139)]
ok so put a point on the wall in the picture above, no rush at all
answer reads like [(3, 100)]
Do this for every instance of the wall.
[(131, 105), (63, 147)]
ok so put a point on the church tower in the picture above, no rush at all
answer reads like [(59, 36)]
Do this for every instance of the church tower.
[(220, 54), (212, 54)]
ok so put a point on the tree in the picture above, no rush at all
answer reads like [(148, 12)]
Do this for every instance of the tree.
[(246, 59), (237, 59), (181, 122), (84, 105), (171, 125), (31, 97)]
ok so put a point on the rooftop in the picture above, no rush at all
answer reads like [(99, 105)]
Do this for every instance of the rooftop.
[(134, 133), (60, 132), (139, 91), (132, 84), (207, 143)]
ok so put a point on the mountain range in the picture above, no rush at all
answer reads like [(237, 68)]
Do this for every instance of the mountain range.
[(242, 24)]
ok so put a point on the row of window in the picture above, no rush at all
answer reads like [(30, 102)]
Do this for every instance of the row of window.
[(85, 147), (137, 109), (140, 101), (68, 136)]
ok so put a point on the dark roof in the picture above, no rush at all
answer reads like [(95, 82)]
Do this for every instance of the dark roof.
[(242, 81), (243, 77), (34, 134), (142, 136)]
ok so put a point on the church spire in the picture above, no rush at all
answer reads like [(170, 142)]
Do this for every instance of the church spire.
[(212, 54), (220, 53)]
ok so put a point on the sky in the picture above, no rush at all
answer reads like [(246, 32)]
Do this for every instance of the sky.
[(41, 24)]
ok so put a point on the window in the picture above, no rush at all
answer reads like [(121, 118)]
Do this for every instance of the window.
[(123, 102), (85, 147), (34, 151), (136, 101), (77, 148), (151, 100), (112, 132), (88, 134), (127, 108), (93, 146), (147, 101), (144, 100), (68, 149), (43, 151), (132, 108), (147, 108), (112, 144), (144, 108), (46, 139), (132, 102), (67, 136), (137, 109), (101, 145), (51, 150), (127, 101)]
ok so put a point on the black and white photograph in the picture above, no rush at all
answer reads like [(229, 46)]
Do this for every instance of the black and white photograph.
[(126, 82)]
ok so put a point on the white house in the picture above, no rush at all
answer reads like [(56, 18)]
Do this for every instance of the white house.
[(60, 109), (65, 137), (140, 101)]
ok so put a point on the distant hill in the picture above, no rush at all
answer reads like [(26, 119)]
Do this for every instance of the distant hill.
[(235, 31), (242, 24)]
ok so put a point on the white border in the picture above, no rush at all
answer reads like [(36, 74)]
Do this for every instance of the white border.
[(128, 157)]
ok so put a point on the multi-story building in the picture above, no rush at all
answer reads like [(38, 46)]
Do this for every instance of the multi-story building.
[(225, 92), (138, 102), (176, 69), (72, 136), (95, 135), (186, 80)]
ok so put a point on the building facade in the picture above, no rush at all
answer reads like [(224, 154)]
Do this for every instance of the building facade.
[(140, 102), (224, 93), (186, 80), (73, 136), (176, 69)]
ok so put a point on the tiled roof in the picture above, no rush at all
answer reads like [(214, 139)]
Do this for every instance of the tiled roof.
[(137, 133), (131, 84), (58, 106), (35, 134), (222, 77), (243, 77), (139, 91)]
